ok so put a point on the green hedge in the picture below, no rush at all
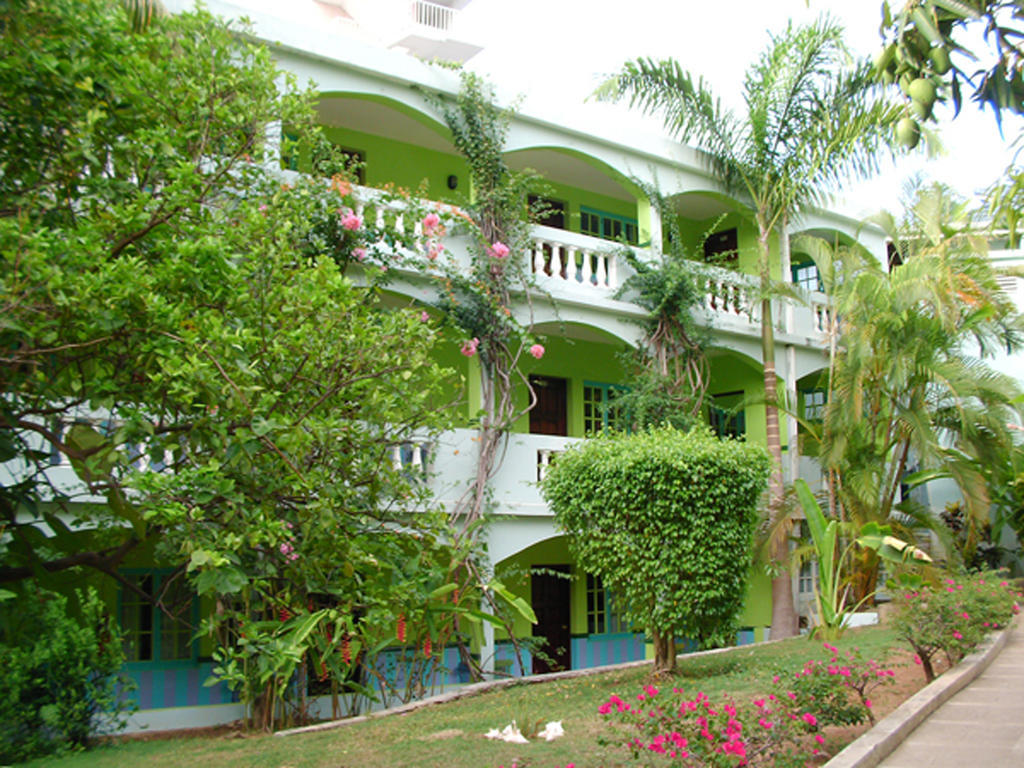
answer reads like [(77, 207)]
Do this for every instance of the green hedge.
[(666, 519)]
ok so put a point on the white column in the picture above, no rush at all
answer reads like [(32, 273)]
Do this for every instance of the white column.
[(272, 145), (487, 649), (656, 230)]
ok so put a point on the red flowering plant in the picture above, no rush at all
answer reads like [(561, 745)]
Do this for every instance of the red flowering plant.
[(839, 688), (695, 731), (953, 616)]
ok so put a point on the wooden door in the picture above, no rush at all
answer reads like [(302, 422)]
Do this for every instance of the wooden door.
[(548, 416), (549, 595)]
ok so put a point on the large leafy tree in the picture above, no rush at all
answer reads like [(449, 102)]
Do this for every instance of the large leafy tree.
[(809, 123), (185, 365)]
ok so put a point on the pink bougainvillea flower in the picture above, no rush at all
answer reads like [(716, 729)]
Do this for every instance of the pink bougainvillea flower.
[(649, 689), (957, 635), (469, 347), (498, 250), (764, 723), (538, 352), (350, 221), (430, 222), (917, 659), (810, 719), (819, 738), (424, 316), (359, 253), (867, 703), (436, 249)]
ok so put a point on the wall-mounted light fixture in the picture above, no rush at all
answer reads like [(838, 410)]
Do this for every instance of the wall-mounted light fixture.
[(453, 181)]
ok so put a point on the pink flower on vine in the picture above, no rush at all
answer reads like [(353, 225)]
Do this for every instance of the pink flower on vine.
[(359, 253), (436, 249), (810, 719), (351, 221), (499, 250), (469, 347), (537, 351), (424, 316), (430, 222)]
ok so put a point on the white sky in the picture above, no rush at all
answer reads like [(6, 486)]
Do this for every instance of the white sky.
[(554, 52)]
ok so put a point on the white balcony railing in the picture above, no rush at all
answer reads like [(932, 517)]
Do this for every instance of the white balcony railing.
[(729, 295), (411, 457), (545, 457), (433, 15), (820, 317), (574, 260)]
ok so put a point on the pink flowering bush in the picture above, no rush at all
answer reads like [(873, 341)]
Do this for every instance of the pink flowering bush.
[(351, 221), (677, 729), (537, 351), (499, 250), (838, 688), (953, 616)]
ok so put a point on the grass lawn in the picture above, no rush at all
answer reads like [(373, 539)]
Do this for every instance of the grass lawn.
[(452, 734)]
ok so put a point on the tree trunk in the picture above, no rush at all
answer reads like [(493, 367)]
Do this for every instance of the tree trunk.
[(784, 618), (664, 652)]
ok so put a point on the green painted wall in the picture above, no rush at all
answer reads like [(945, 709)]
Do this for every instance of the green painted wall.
[(577, 361), (406, 165), (515, 573), (729, 374), (575, 197), (693, 232)]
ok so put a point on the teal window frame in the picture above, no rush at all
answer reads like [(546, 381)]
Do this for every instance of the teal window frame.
[(157, 619), (806, 275), (608, 393), (602, 618), (605, 225), (812, 404), (723, 421)]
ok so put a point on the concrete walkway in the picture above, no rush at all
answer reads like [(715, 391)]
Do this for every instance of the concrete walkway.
[(982, 726)]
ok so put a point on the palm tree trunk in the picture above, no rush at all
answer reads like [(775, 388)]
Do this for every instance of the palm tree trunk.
[(784, 618)]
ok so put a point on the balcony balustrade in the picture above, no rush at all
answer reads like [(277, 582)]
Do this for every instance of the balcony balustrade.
[(574, 260), (433, 15)]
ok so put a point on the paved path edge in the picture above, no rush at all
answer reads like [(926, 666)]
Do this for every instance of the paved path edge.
[(474, 689), (882, 740)]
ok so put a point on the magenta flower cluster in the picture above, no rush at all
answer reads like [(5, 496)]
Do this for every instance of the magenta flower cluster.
[(697, 731)]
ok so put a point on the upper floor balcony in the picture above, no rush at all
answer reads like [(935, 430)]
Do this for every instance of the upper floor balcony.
[(582, 270), (427, 29)]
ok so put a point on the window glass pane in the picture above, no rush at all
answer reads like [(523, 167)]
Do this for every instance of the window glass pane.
[(175, 633), (137, 620)]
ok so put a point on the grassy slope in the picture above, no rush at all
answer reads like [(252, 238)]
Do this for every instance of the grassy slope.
[(429, 737)]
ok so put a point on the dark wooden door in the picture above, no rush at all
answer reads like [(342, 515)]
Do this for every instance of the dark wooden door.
[(549, 595), (548, 416)]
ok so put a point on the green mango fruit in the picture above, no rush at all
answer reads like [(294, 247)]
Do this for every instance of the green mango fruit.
[(923, 90), (939, 58), (908, 132)]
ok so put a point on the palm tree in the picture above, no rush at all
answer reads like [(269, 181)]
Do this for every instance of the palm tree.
[(809, 124), (910, 386)]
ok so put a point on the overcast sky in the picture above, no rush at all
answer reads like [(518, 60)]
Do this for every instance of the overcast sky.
[(554, 52)]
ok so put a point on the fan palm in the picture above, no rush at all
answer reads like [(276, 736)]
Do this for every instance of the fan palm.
[(810, 122)]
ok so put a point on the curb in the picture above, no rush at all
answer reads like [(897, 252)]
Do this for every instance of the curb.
[(475, 689), (882, 740)]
